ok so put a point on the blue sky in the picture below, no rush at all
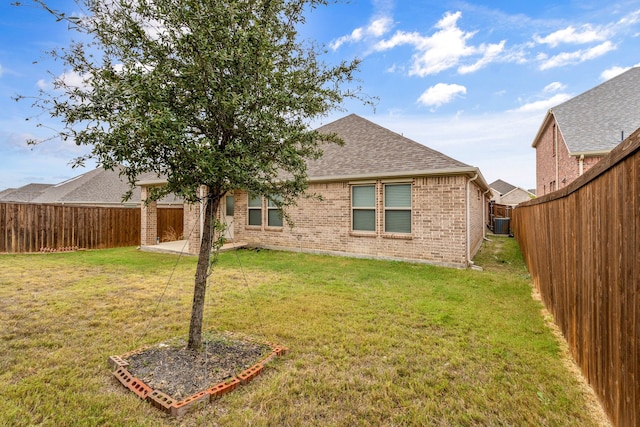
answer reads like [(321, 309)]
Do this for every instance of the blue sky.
[(472, 79)]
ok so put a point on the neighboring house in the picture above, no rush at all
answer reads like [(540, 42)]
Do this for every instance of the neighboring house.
[(98, 187), (23, 194), (504, 193), (382, 196), (576, 134)]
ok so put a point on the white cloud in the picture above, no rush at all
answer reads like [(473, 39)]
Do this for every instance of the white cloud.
[(543, 105), (376, 28), (43, 84), (72, 79), (444, 49), (615, 71), (1, 71), (491, 53), (440, 94), (567, 58), (554, 87), (630, 19), (569, 35)]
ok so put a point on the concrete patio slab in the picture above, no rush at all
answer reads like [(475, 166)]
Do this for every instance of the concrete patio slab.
[(182, 247)]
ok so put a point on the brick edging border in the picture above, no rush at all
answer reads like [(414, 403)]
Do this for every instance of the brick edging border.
[(176, 408)]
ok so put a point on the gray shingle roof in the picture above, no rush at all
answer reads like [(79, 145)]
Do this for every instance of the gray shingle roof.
[(501, 186), (96, 187), (594, 120), (374, 151), (23, 194), (370, 151)]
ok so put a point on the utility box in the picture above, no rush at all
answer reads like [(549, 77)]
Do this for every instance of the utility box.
[(501, 225)]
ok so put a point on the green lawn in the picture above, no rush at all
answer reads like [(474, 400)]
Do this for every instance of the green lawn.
[(371, 342)]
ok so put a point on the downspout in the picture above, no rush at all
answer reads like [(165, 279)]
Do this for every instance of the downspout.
[(555, 142), (484, 213), (468, 231)]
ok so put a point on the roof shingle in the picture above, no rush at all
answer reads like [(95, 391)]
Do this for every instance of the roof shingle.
[(372, 150), (596, 120), (23, 194)]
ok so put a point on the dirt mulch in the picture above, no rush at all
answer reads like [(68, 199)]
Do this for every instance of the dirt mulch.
[(180, 372)]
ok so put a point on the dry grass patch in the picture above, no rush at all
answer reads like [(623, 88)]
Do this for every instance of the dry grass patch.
[(372, 343)]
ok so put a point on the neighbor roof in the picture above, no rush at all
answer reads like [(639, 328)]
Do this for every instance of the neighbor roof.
[(96, 187), (23, 194), (595, 121), (501, 186), (371, 150)]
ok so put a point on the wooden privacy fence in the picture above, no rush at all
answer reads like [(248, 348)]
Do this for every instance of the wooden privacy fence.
[(582, 247), (34, 227)]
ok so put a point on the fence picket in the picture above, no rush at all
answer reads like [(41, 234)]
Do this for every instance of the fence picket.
[(582, 247), (33, 227)]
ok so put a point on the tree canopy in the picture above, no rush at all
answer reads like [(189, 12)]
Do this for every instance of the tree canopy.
[(200, 92), (215, 93)]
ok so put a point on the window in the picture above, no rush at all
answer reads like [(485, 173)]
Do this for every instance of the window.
[(255, 210), (274, 214), (363, 208), (229, 205), (397, 208)]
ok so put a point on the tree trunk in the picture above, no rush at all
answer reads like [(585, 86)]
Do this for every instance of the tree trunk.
[(197, 309)]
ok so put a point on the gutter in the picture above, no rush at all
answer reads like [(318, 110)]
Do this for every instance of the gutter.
[(591, 153), (470, 171)]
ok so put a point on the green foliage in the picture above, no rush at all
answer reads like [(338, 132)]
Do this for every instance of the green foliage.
[(201, 93), (215, 93)]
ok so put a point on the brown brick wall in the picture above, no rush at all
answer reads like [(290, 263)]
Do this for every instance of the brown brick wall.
[(438, 223)]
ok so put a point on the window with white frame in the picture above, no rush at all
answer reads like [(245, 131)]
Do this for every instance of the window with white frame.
[(254, 216), (363, 207), (274, 214), (397, 208)]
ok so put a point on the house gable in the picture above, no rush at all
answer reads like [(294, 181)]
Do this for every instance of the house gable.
[(577, 133), (374, 151), (508, 194)]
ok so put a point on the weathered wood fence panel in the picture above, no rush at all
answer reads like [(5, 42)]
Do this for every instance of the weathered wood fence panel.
[(34, 227), (170, 223), (582, 247)]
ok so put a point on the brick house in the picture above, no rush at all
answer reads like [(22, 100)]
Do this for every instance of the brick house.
[(382, 196), (576, 134), (504, 193)]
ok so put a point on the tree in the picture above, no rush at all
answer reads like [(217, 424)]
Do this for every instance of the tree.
[(202, 92)]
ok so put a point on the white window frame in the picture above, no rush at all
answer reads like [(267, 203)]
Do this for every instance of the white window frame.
[(253, 208), (397, 208), (271, 207), (364, 208)]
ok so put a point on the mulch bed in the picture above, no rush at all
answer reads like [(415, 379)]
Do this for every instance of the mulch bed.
[(180, 372)]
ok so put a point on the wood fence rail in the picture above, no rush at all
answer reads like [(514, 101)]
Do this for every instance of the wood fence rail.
[(582, 247), (35, 227)]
